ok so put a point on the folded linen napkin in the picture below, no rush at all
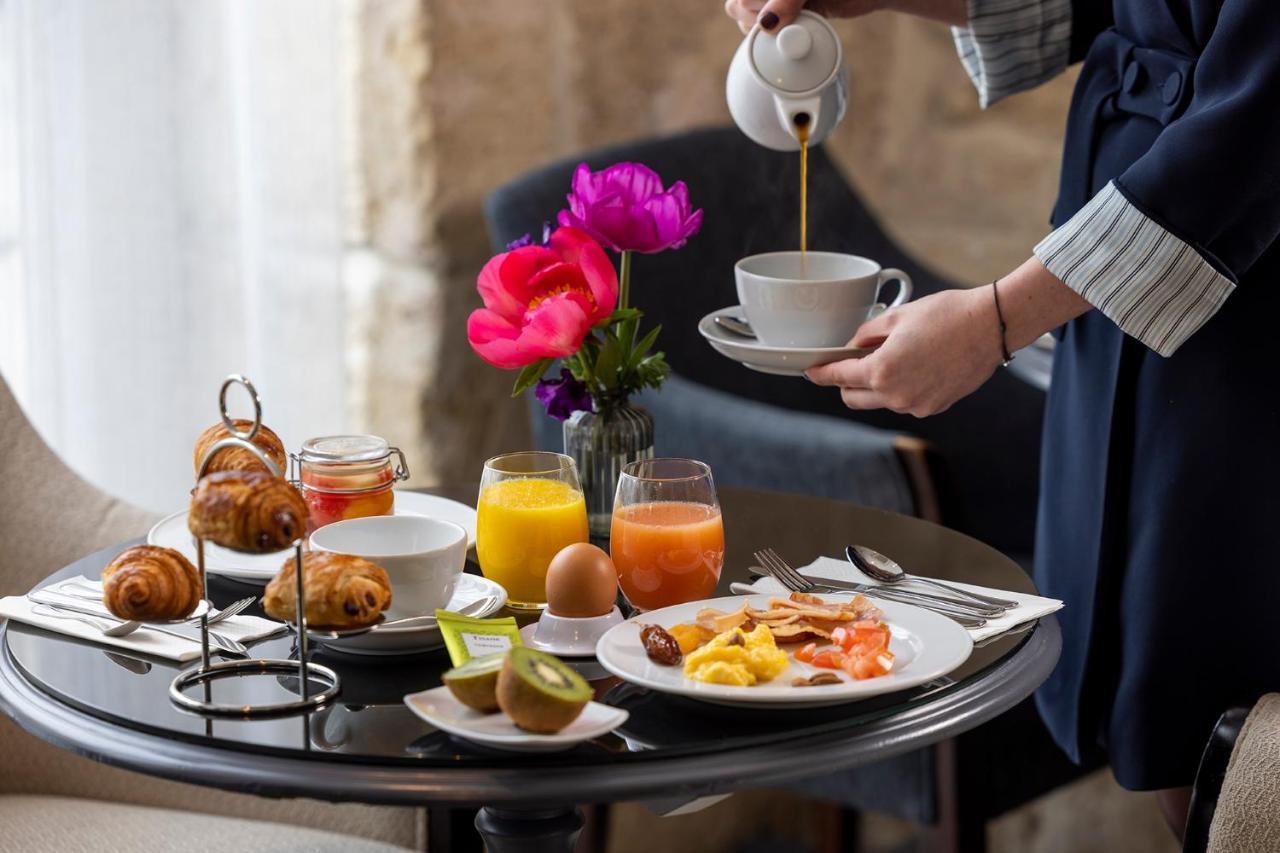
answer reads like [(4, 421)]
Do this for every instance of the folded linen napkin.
[(1029, 607), (246, 629)]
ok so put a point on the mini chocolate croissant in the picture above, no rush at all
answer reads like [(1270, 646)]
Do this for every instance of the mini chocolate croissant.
[(249, 511), (150, 584), (343, 591), (237, 458)]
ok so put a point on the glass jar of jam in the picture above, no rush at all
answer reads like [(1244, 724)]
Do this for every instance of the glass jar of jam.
[(348, 476)]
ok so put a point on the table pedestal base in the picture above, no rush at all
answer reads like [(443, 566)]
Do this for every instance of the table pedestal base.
[(529, 831)]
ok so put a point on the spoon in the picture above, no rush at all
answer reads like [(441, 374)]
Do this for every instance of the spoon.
[(474, 607), (879, 567), (737, 326)]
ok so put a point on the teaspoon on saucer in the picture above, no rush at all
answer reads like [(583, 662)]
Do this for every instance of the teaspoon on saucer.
[(736, 325)]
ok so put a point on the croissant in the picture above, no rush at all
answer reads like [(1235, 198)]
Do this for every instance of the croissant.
[(150, 584), (343, 591), (237, 458), (249, 511)]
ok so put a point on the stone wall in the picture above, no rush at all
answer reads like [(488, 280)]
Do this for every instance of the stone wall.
[(453, 97)]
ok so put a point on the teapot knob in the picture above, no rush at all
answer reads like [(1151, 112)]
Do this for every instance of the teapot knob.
[(794, 42)]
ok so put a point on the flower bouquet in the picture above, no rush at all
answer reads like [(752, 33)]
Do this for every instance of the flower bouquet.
[(560, 299)]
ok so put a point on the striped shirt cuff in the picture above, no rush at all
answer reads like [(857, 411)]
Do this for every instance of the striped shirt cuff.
[(1151, 284), (1013, 45)]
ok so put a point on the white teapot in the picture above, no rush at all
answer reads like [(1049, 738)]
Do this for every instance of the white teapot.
[(794, 78)]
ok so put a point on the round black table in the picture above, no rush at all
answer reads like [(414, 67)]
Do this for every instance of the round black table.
[(368, 747)]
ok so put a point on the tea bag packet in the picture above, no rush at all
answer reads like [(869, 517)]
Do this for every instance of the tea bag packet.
[(467, 637)]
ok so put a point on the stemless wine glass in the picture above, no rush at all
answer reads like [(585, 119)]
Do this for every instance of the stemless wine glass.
[(530, 507), (667, 539)]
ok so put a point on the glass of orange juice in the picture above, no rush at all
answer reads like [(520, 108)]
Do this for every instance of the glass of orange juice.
[(667, 538), (530, 507)]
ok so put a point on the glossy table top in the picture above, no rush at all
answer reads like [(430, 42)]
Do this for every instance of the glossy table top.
[(368, 746)]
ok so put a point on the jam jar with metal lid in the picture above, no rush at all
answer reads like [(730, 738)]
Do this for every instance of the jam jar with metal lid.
[(347, 476)]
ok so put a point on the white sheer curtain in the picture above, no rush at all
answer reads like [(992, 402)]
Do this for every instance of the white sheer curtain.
[(171, 211)]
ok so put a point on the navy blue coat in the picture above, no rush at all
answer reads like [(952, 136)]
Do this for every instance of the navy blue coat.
[(1160, 475)]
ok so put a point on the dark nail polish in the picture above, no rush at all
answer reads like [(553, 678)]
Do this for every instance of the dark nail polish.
[(769, 20)]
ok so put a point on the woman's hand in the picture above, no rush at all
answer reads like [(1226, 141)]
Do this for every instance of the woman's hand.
[(773, 14), (931, 353), (940, 348)]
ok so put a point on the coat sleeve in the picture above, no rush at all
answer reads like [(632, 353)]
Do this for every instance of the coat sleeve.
[(1014, 45), (1161, 248)]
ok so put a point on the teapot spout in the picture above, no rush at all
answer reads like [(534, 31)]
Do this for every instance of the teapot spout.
[(795, 113)]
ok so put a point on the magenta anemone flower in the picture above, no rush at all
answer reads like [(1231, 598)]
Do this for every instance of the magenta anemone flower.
[(626, 208)]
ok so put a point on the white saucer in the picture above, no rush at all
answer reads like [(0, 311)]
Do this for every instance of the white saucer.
[(439, 708), (781, 361), (381, 641), (172, 532)]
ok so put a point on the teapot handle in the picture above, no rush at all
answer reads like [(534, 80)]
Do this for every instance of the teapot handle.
[(789, 108)]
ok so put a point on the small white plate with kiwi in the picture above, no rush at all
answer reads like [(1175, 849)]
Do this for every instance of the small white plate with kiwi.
[(481, 701)]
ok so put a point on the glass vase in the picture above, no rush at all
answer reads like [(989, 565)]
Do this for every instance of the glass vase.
[(601, 444)]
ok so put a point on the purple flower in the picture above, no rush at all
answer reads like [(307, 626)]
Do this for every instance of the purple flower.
[(527, 239), (626, 209), (564, 396)]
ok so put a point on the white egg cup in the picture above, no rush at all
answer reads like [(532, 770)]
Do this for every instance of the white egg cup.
[(566, 635)]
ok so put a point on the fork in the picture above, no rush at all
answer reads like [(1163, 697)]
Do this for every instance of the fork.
[(235, 608), (781, 571), (222, 641)]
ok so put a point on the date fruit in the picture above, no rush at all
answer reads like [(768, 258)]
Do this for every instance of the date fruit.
[(660, 646)]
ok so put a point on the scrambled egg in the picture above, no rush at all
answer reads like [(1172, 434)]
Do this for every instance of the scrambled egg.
[(738, 658)]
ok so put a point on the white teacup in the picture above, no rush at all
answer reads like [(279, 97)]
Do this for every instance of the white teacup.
[(819, 303), (423, 556)]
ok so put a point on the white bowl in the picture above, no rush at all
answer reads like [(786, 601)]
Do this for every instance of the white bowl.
[(564, 635), (422, 556)]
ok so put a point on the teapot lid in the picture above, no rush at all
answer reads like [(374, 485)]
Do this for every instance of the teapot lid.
[(801, 57)]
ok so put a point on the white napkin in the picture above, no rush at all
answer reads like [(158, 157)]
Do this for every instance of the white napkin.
[(1029, 606), (245, 629)]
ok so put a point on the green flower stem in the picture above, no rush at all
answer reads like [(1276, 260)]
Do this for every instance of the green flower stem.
[(624, 281)]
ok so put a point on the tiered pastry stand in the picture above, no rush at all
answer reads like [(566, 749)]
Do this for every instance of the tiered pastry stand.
[(208, 672)]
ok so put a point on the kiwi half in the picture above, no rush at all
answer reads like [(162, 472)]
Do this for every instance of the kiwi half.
[(475, 683), (539, 692)]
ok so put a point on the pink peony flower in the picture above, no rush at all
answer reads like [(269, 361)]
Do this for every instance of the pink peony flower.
[(626, 208), (540, 302)]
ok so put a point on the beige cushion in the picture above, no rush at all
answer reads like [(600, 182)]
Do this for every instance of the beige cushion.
[(65, 825), (1247, 818), (49, 517)]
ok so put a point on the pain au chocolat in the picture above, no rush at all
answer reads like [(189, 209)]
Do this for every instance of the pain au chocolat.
[(343, 591), (249, 511)]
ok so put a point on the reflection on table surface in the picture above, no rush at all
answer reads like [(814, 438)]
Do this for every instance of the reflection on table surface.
[(369, 723)]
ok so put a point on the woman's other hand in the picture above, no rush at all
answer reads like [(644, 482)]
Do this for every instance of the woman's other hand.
[(931, 353), (773, 14), (940, 348)]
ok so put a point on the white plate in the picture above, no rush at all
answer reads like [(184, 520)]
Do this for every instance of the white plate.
[(172, 532), (925, 645), (439, 708), (782, 361), (382, 640)]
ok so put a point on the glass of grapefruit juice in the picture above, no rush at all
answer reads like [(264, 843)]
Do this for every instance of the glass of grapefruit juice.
[(530, 507), (667, 537)]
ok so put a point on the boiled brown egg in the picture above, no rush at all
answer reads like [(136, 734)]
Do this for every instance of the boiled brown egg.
[(581, 582)]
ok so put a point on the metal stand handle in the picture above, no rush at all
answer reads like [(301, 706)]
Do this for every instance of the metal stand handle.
[(208, 672)]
